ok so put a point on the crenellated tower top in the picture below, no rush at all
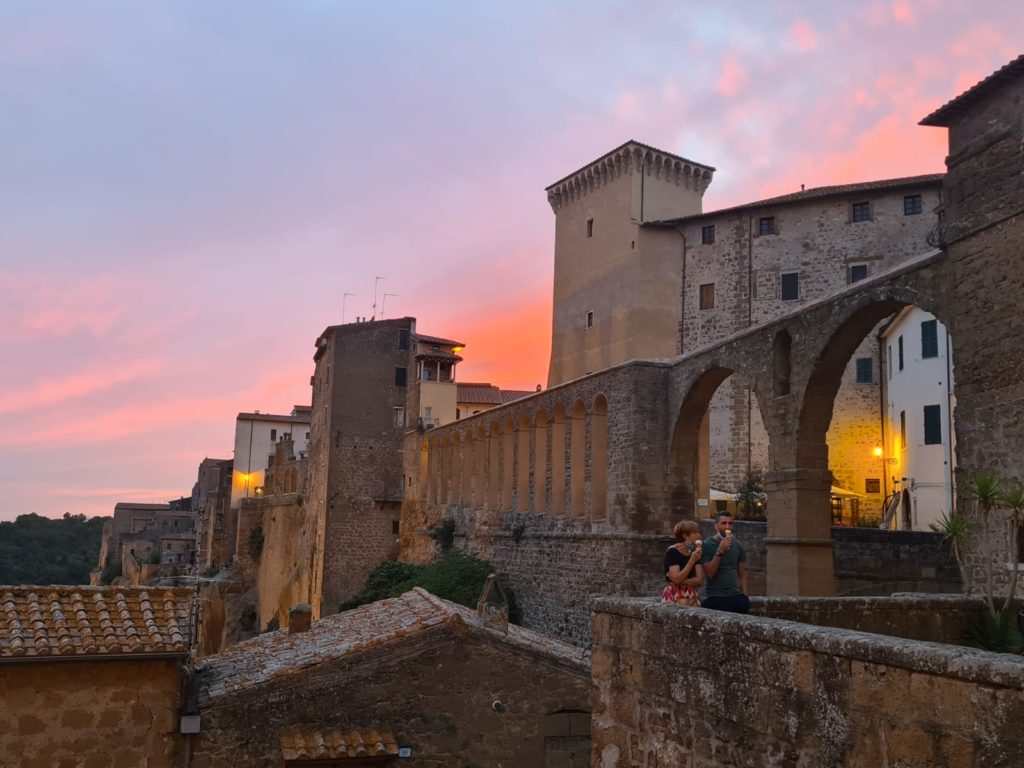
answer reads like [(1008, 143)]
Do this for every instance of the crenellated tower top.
[(631, 157)]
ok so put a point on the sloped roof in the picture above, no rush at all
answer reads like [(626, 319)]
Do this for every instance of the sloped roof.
[(337, 744), (479, 393), (438, 340), (942, 116), (276, 654), (75, 622), (508, 395), (814, 193), (629, 143), (140, 506), (298, 418)]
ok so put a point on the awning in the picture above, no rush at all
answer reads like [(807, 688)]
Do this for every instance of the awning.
[(845, 494)]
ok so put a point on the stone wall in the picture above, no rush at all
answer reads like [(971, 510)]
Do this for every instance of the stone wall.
[(676, 686), (94, 714), (433, 692)]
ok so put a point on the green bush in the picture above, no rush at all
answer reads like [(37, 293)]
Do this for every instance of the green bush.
[(995, 633), (444, 535), (455, 576), (42, 550)]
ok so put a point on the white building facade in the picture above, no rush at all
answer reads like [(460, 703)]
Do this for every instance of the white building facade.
[(255, 436), (918, 452)]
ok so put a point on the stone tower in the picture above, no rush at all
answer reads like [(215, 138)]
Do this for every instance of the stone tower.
[(617, 286)]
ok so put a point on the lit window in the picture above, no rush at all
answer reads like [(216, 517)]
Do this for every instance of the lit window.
[(766, 225), (858, 272), (790, 286), (929, 339), (912, 205), (932, 424), (862, 211), (707, 296), (707, 234)]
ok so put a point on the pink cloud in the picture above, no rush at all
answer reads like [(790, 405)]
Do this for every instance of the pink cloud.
[(902, 12), (802, 33), (47, 308), (50, 391), (732, 78)]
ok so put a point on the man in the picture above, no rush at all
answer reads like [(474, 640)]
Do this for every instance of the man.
[(725, 569)]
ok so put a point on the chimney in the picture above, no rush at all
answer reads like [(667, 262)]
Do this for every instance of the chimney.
[(299, 617)]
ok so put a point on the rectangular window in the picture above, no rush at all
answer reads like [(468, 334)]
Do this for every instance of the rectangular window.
[(862, 211), (888, 362), (400, 374), (307, 435), (899, 350), (929, 339), (273, 435), (912, 205), (766, 225), (858, 272), (403, 338), (396, 527), (399, 412), (865, 370), (872, 485), (903, 429), (590, 319), (707, 296), (590, 227), (707, 234), (932, 424), (789, 283)]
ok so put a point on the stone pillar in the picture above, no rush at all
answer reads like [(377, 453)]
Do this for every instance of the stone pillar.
[(299, 618), (799, 532)]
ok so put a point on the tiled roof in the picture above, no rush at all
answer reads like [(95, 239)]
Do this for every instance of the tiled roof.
[(815, 193), (631, 142), (337, 744), (276, 654), (508, 395), (479, 393), (134, 505), (61, 621), (941, 116), (438, 340), (298, 418), (439, 356)]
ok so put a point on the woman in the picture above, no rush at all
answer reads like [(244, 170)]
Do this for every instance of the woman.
[(683, 571)]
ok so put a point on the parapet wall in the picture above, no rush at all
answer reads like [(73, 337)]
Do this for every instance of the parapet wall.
[(682, 686)]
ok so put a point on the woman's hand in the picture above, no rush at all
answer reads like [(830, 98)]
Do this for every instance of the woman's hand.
[(695, 555)]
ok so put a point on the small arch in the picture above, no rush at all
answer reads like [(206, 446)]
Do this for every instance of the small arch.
[(493, 467), (523, 464), (599, 458), (508, 462), (782, 361), (466, 462), (540, 462), (578, 460), (559, 464)]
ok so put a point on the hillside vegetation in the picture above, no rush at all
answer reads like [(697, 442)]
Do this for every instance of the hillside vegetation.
[(43, 550)]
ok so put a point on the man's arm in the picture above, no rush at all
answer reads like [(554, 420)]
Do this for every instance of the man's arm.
[(741, 570), (711, 566)]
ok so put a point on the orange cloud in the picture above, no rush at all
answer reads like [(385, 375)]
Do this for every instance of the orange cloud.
[(802, 33), (732, 77)]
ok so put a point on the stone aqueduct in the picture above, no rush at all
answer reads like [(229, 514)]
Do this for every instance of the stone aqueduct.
[(616, 452)]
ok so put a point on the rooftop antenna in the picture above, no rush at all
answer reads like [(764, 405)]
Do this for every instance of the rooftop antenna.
[(384, 299), (376, 282), (343, 297)]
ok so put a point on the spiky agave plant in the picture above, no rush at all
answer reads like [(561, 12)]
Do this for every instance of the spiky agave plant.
[(1012, 498), (985, 487), (955, 529)]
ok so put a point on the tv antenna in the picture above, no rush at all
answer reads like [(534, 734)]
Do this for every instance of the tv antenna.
[(383, 300), (343, 297), (376, 282)]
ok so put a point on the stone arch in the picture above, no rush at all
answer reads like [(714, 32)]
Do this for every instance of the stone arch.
[(508, 462), (444, 470), (558, 462), (466, 462), (540, 462), (687, 461), (599, 458), (479, 480), (455, 470), (782, 362), (493, 467), (578, 460), (523, 464)]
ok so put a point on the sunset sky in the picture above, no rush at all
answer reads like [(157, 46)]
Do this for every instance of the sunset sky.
[(187, 189)]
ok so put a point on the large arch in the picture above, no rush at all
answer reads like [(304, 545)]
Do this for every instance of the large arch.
[(540, 463), (558, 461)]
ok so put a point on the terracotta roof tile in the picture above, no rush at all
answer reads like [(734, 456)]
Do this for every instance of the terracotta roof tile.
[(508, 395), (337, 744), (479, 393), (440, 341), (278, 654), (814, 193), (61, 621)]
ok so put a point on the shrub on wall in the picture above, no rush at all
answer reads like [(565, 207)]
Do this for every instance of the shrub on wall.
[(443, 534)]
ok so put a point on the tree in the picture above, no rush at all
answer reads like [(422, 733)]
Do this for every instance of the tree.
[(43, 550), (751, 499)]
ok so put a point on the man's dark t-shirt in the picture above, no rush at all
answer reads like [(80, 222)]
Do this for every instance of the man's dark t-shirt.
[(726, 582)]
